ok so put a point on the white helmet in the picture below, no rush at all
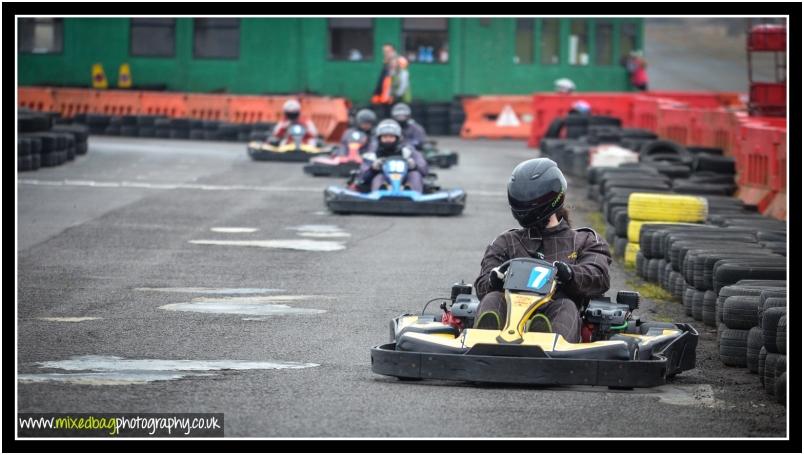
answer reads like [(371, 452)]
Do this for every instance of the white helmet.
[(564, 85), (291, 105)]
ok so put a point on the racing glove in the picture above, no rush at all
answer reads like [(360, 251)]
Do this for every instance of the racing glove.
[(411, 164), (496, 277), (377, 164), (564, 272)]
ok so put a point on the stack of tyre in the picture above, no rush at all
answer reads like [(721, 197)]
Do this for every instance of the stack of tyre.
[(754, 331), (660, 209), (152, 126), (45, 140), (612, 186)]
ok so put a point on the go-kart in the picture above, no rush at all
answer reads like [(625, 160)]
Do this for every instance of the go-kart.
[(336, 165), (293, 149), (436, 157), (394, 198), (615, 350)]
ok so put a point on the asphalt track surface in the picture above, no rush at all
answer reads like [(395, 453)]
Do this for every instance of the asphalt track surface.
[(110, 235)]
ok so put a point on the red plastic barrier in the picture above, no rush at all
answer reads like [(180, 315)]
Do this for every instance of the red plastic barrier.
[(702, 99), (768, 98), (761, 160), (767, 37), (676, 123), (548, 106)]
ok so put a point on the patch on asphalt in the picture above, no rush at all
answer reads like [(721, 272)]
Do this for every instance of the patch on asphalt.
[(234, 230), (113, 370), (320, 231), (252, 306), (292, 244), (67, 319), (221, 291)]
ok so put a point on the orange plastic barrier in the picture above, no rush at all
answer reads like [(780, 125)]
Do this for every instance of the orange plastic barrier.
[(207, 107), (72, 101), (164, 104), (253, 109), (702, 99), (498, 117), (117, 102), (330, 115), (36, 98)]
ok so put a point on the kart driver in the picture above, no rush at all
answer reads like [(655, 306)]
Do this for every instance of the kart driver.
[(364, 123), (389, 143), (536, 193), (291, 111), (412, 133)]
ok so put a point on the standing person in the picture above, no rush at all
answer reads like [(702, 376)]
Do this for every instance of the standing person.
[(383, 97), (636, 67), (401, 82), (536, 192)]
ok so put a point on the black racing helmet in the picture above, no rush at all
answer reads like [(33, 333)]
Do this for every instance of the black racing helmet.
[(536, 190)]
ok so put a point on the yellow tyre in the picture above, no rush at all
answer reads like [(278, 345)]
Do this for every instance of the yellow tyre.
[(667, 207), (631, 251)]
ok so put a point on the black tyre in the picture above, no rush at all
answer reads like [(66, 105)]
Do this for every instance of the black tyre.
[(781, 388), (733, 347), (687, 300), (770, 372), (621, 224), (754, 345), (763, 355), (781, 335), (770, 321), (712, 163), (36, 161), (773, 302), (620, 243), (740, 312), (709, 310)]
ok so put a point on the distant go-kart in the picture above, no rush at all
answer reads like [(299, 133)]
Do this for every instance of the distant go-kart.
[(441, 158), (394, 198), (294, 149), (335, 165), (615, 350)]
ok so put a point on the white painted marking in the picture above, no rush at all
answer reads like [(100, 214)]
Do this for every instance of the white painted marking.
[(222, 291), (324, 235), (254, 306), (234, 230), (320, 231), (293, 244), (194, 186), (68, 319), (113, 370)]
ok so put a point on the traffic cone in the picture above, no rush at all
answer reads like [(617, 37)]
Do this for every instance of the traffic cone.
[(124, 76), (99, 77)]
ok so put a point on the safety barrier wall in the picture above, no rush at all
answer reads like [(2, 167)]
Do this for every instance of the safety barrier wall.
[(330, 115), (497, 117), (719, 120)]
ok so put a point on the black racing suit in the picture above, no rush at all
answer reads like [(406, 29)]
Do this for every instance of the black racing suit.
[(582, 249)]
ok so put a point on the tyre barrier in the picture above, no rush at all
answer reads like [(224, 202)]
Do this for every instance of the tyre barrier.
[(44, 140), (672, 217)]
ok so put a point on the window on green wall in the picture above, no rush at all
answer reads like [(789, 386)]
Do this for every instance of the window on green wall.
[(551, 42), (351, 38), (153, 37), (604, 35), (524, 41), (41, 35), (578, 43), (216, 38), (628, 39), (426, 39)]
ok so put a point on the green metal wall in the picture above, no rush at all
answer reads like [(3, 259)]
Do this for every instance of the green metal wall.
[(288, 55)]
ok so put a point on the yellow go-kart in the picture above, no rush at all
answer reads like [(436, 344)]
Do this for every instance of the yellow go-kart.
[(615, 350), (295, 149)]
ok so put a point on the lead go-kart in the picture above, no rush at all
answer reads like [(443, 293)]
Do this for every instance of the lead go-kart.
[(394, 198), (294, 148), (616, 350), (335, 165), (444, 159)]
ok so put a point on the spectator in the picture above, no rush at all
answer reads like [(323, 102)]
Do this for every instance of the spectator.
[(637, 72), (383, 98), (401, 81)]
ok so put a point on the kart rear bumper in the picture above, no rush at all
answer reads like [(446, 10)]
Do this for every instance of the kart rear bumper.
[(452, 203), (333, 170), (296, 155)]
